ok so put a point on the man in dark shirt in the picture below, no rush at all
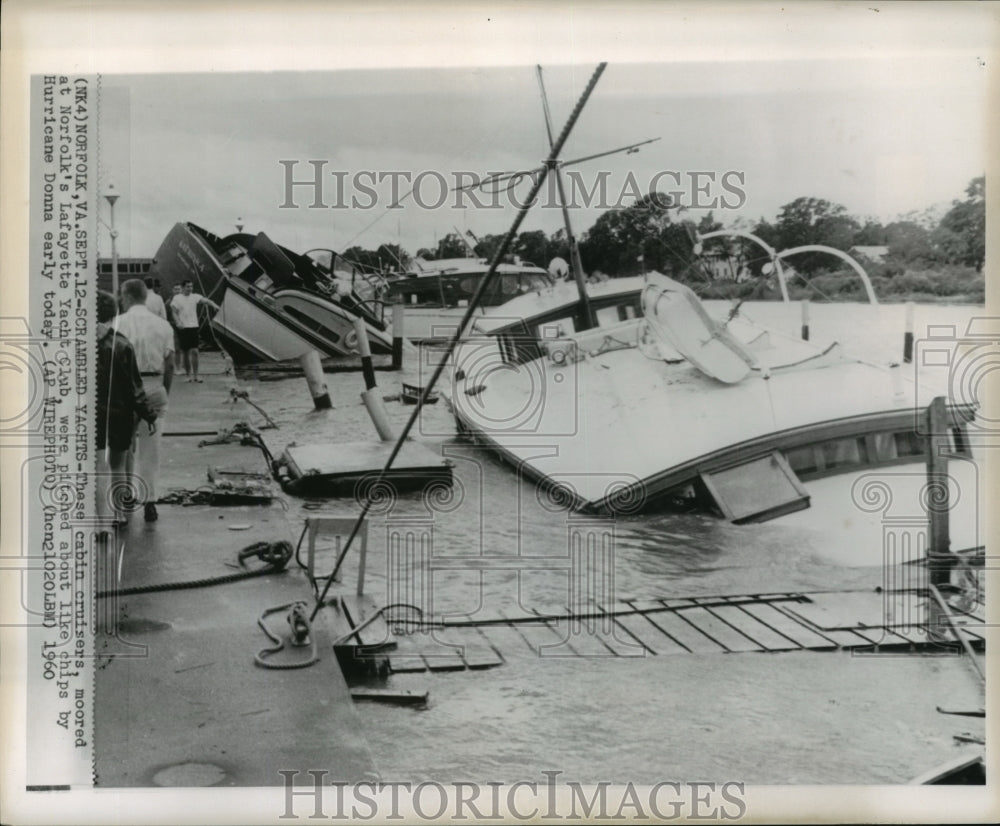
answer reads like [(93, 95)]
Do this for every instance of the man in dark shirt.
[(120, 399)]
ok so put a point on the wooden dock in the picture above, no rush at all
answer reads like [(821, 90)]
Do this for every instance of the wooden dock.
[(858, 621)]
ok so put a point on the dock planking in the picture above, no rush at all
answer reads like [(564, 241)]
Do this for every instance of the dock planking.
[(752, 628), (470, 646), (543, 638), (739, 623), (620, 641), (686, 633), (579, 638), (725, 634), (787, 626), (635, 628), (503, 639)]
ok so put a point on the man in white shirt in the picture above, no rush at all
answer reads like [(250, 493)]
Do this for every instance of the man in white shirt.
[(152, 339), (153, 301), (184, 308)]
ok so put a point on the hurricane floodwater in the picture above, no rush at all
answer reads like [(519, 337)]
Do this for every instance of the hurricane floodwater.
[(799, 717)]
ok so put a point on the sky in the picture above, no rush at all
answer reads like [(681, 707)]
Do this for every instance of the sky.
[(881, 128)]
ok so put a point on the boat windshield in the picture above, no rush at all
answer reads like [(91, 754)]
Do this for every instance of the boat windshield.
[(532, 281), (333, 264)]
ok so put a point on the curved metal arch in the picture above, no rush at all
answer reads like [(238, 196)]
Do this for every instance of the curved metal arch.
[(869, 289), (771, 252)]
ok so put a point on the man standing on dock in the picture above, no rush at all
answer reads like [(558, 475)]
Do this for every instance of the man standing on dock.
[(153, 300), (185, 311), (120, 399), (152, 340)]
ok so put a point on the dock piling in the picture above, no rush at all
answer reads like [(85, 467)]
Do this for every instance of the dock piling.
[(366, 353), (908, 334), (313, 368), (805, 319), (379, 415), (397, 335), (939, 555)]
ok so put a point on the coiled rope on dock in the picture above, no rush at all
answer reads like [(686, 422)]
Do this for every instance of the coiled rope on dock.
[(274, 555)]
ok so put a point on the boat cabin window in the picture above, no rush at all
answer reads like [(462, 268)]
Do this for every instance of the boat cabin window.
[(804, 460), (841, 453), (909, 443), (871, 450), (884, 447), (830, 456)]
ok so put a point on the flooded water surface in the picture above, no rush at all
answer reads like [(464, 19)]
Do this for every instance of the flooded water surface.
[(761, 718)]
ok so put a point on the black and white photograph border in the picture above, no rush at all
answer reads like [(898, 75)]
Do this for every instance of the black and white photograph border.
[(429, 513)]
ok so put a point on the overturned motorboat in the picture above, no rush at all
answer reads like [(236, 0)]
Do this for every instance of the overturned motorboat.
[(274, 304)]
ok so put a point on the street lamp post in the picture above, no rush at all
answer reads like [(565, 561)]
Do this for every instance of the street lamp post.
[(111, 197), (239, 225)]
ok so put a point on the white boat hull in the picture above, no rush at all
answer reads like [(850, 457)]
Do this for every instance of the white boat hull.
[(264, 328)]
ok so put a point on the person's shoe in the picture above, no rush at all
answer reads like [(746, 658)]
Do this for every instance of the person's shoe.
[(149, 512)]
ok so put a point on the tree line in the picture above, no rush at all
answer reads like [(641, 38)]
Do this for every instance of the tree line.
[(655, 234)]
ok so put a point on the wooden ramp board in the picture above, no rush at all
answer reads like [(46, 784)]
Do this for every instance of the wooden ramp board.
[(654, 638), (335, 469), (543, 639), (750, 627), (640, 627), (709, 624), (634, 628), (786, 625), (675, 626), (580, 635), (618, 639), (505, 641)]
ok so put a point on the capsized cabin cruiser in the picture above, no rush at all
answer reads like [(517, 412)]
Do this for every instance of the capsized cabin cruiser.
[(274, 304)]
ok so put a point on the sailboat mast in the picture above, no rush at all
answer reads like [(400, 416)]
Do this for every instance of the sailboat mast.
[(574, 251)]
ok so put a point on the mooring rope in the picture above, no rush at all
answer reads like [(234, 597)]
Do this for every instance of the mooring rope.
[(301, 636), (274, 555)]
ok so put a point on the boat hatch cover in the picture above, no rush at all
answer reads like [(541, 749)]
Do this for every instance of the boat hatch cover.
[(755, 491)]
